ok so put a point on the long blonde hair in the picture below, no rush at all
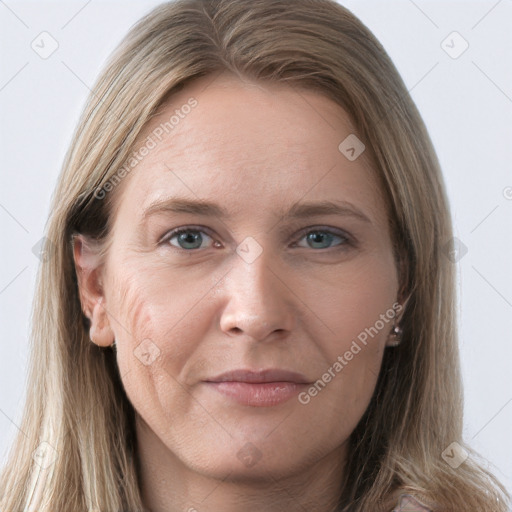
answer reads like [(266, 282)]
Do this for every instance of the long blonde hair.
[(76, 449)]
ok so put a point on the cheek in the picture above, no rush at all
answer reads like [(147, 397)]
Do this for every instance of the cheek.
[(157, 331), (356, 309), (153, 305), (347, 380), (354, 298)]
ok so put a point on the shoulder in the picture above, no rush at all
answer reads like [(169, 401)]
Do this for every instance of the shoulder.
[(408, 503)]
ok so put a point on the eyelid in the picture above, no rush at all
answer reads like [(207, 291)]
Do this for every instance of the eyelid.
[(172, 232), (350, 240), (330, 229)]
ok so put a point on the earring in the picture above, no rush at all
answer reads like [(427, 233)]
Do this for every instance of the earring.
[(395, 336)]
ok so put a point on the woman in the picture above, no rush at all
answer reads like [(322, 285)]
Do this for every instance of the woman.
[(249, 305)]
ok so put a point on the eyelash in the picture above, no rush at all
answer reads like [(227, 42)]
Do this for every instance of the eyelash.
[(346, 239)]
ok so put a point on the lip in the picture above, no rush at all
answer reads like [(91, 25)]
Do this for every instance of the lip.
[(261, 376), (264, 388)]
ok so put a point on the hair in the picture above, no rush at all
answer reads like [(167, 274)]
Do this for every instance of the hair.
[(77, 417)]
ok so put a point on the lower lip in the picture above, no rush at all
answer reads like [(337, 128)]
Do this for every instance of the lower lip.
[(264, 394)]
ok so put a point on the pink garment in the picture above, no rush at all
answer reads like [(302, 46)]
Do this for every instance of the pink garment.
[(408, 503)]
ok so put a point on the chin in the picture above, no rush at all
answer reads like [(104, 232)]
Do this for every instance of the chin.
[(250, 461)]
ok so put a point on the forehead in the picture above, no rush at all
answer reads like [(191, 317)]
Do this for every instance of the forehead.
[(249, 145)]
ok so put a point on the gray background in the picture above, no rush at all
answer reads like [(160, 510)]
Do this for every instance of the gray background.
[(466, 103)]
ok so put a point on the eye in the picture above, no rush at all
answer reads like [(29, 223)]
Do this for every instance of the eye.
[(187, 238), (323, 239)]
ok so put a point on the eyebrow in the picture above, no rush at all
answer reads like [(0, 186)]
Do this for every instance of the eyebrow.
[(210, 209)]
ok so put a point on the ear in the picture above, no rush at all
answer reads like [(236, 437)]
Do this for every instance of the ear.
[(90, 286)]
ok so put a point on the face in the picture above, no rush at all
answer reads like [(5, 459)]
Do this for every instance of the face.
[(284, 263)]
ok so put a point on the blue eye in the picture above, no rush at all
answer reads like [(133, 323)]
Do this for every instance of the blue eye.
[(322, 239), (187, 238), (192, 239)]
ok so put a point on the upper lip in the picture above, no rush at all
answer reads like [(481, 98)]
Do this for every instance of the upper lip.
[(260, 376)]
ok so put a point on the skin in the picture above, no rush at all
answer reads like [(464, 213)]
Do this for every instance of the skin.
[(255, 150)]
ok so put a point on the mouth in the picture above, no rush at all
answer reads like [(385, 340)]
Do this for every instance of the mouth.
[(261, 376), (264, 388)]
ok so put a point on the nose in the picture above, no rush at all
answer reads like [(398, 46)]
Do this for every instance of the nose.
[(259, 301)]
